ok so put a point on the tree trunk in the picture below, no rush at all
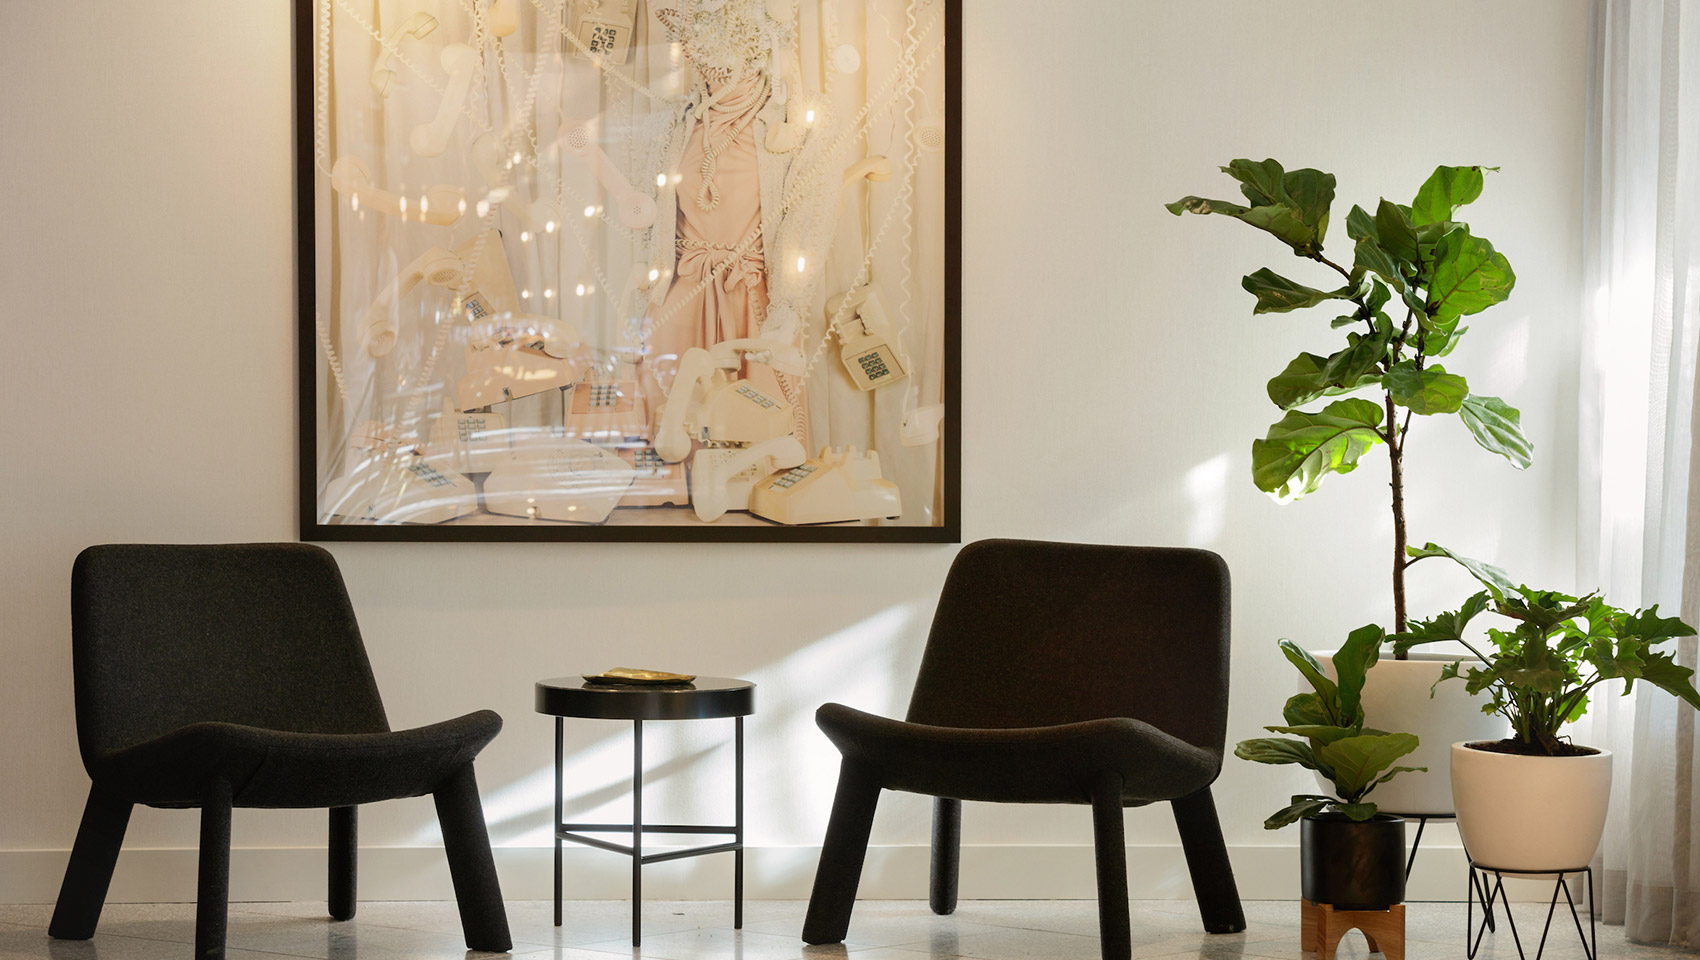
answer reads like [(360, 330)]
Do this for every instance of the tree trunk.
[(1395, 443)]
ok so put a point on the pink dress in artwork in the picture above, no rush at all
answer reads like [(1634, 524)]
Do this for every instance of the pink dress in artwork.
[(719, 194)]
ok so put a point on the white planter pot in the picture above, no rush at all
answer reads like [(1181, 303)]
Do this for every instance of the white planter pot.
[(1530, 813), (1396, 699)]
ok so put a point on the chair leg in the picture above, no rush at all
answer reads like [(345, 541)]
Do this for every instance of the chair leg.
[(344, 861), (89, 873), (212, 896), (1110, 843), (841, 856), (472, 867), (1207, 861), (947, 855)]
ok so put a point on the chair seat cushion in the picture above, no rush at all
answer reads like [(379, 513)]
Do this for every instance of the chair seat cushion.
[(276, 768), (1054, 764)]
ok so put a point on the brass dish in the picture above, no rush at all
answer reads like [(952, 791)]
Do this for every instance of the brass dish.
[(632, 676)]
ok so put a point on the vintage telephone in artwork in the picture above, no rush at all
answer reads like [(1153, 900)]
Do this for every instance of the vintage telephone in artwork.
[(635, 210), (468, 442), (607, 411), (431, 139), (705, 404), (837, 486), (515, 363), (378, 327), (395, 485), (418, 26), (504, 17), (604, 28), (921, 425), (723, 477), (873, 353), (654, 481), (556, 479), (442, 203)]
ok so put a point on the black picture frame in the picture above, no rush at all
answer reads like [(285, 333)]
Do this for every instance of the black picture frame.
[(949, 530)]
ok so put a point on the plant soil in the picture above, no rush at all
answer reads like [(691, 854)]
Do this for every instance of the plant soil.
[(1521, 749)]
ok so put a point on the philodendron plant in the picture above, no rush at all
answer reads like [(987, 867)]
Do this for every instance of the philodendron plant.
[(1334, 741), (1418, 258), (1539, 673)]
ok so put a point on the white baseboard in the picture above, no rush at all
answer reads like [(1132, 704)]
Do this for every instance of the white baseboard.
[(1034, 872)]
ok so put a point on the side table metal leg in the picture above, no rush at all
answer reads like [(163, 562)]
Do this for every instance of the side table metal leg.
[(637, 831), (559, 761), (738, 828)]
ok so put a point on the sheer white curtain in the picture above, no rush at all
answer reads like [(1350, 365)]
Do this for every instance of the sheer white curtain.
[(1637, 531)]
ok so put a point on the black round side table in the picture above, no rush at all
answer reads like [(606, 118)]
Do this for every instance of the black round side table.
[(704, 698)]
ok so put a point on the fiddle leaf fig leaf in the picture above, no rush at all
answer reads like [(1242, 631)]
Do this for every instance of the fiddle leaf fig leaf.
[(1369, 256), (1308, 378), (1277, 294), (1357, 761), (1306, 710), (1320, 733), (1426, 391), (1277, 750), (1446, 189), (1351, 667), (1469, 277), (1496, 580), (1360, 225), (1495, 425), (1357, 811), (1293, 206), (1396, 234), (1325, 688), (1302, 448), (1300, 808)]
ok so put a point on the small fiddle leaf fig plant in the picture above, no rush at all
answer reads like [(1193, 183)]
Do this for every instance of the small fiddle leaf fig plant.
[(1415, 258), (1334, 741), (1539, 673)]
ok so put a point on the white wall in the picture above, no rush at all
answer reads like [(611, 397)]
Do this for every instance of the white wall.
[(1113, 383)]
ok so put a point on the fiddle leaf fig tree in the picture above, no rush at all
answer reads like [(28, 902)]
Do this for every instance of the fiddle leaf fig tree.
[(1414, 273)]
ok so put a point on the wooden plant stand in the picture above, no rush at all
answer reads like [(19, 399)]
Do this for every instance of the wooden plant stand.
[(1322, 926)]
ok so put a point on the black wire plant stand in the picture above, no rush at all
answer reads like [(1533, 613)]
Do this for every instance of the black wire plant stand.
[(1473, 935)]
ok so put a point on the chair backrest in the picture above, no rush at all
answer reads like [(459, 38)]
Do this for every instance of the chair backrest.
[(1029, 633), (257, 634)]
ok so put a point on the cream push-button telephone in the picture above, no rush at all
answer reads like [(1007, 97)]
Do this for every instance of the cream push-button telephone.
[(837, 486), (394, 485), (872, 353), (655, 482), (722, 477), (707, 405), (607, 411), (554, 479), (469, 442)]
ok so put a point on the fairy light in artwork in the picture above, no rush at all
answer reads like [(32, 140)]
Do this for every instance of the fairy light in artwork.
[(462, 207), (525, 294), (590, 211), (809, 117), (580, 290), (548, 293), (661, 179), (654, 274), (354, 202), (525, 236), (802, 264), (549, 227)]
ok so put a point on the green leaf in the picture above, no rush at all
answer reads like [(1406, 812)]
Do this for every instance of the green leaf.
[(1496, 580), (1306, 709), (1277, 294), (1369, 256), (1301, 807), (1395, 771), (1446, 189), (1303, 448), (1652, 628), (1317, 732), (1312, 671), (1469, 277), (1293, 206), (1495, 425), (1307, 378), (1427, 390), (1665, 673), (1352, 663), (1397, 236), (1277, 750), (1357, 811), (1444, 628), (1357, 761), (1360, 225)]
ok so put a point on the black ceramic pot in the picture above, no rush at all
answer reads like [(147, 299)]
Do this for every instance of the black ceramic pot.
[(1354, 865)]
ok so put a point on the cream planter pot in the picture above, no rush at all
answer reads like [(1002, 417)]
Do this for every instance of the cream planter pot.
[(1530, 813), (1396, 699)]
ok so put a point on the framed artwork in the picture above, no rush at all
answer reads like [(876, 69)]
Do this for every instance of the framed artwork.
[(629, 269)]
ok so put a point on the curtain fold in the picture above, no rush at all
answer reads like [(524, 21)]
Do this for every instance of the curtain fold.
[(1637, 531)]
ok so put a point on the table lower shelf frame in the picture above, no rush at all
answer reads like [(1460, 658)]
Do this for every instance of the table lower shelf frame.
[(575, 832)]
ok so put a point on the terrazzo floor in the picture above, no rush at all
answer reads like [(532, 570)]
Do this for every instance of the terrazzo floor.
[(880, 930)]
